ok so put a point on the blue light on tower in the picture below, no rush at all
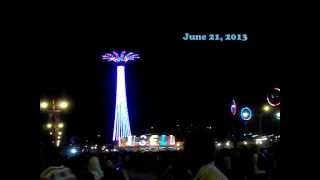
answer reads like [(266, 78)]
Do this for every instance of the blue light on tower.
[(121, 127)]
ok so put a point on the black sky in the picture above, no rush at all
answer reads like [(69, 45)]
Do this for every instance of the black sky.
[(174, 80)]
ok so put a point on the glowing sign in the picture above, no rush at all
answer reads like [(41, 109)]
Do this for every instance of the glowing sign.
[(143, 140), (152, 140), (246, 113)]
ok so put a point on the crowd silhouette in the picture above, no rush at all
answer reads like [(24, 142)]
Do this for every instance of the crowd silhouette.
[(199, 160)]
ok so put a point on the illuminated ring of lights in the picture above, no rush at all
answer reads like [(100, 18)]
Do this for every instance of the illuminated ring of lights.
[(274, 104), (233, 107), (249, 113)]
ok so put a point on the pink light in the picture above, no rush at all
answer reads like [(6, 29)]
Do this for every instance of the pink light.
[(272, 103)]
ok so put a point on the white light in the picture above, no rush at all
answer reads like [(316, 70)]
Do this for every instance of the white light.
[(227, 143), (59, 133), (60, 125), (49, 125), (154, 140), (58, 143), (59, 137), (219, 144), (245, 142), (63, 104), (50, 133), (44, 105)]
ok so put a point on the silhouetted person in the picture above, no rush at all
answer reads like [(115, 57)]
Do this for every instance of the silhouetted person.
[(199, 151)]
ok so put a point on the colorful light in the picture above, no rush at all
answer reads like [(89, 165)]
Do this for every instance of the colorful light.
[(274, 97), (123, 57), (121, 126), (233, 107), (246, 114)]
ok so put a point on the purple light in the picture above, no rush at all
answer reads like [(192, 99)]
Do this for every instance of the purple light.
[(123, 58), (233, 107)]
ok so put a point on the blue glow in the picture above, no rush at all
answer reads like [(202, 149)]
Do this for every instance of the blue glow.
[(121, 122), (73, 151), (163, 140), (121, 127), (246, 114)]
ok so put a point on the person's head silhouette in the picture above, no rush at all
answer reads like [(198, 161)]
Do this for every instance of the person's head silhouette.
[(199, 148)]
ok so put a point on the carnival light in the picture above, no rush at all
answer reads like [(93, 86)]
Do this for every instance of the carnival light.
[(278, 115), (154, 140), (246, 113), (233, 107), (121, 122), (274, 97)]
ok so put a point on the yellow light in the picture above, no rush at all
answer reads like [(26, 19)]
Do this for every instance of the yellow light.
[(59, 133), (266, 108), (63, 104), (178, 144), (59, 137), (60, 125), (49, 125), (44, 105)]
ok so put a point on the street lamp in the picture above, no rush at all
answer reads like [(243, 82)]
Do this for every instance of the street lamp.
[(63, 104), (49, 125), (266, 108), (60, 125), (44, 105), (55, 125)]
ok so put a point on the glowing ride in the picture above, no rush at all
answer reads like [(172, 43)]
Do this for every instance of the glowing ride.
[(274, 97), (246, 114), (121, 126)]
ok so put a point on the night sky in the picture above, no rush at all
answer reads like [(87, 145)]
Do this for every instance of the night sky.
[(188, 82)]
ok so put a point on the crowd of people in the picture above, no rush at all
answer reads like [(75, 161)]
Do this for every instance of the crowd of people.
[(199, 160)]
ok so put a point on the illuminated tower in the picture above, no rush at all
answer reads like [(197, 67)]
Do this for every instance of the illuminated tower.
[(121, 127)]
